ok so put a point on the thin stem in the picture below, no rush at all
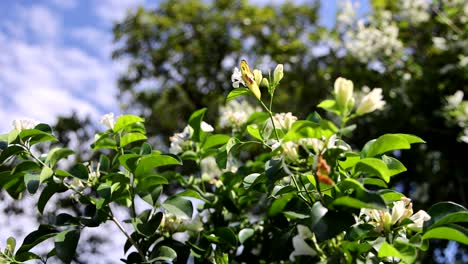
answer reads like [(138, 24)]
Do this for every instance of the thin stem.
[(317, 247), (119, 225), (303, 185), (299, 192), (271, 118)]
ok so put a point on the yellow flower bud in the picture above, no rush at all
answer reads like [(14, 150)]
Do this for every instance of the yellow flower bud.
[(249, 79), (343, 92), (278, 73)]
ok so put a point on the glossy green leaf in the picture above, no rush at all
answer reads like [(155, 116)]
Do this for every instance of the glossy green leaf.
[(355, 190), (353, 203), (130, 138), (307, 129), (166, 254), (35, 136), (216, 140), (57, 154), (32, 182), (294, 215), (151, 196), (226, 235), (384, 168), (104, 141), (253, 179), (149, 182), (236, 93), (46, 173), (51, 189), (34, 238), (180, 207), (245, 234), (330, 105), (148, 163), (452, 232), (444, 213), (254, 132), (195, 121), (10, 152), (79, 171), (66, 243), (387, 250), (390, 142), (124, 121)]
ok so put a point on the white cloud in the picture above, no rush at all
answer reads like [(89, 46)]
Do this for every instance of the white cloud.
[(110, 10), (41, 79), (41, 22), (98, 40), (65, 4)]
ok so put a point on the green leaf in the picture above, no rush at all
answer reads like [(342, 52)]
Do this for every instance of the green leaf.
[(390, 196), (104, 141), (245, 234), (79, 171), (307, 129), (278, 205), (124, 121), (166, 254), (145, 149), (254, 132), (152, 196), (384, 168), (149, 182), (51, 189), (57, 154), (130, 138), (452, 232), (253, 179), (10, 152), (215, 141), (226, 235), (445, 212), (236, 93), (374, 182), (148, 163), (32, 182), (35, 136), (389, 142), (46, 173), (195, 121), (129, 161), (34, 238), (294, 215), (66, 243), (145, 226), (354, 189), (387, 250), (330, 106), (180, 207)]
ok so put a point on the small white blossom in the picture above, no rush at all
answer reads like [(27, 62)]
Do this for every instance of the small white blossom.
[(301, 248), (108, 120), (290, 151), (22, 124), (236, 78), (419, 218), (180, 141), (209, 169), (371, 102), (205, 127), (439, 43), (455, 100), (284, 121), (278, 73)]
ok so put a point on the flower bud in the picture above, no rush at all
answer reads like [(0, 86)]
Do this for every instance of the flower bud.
[(257, 76), (278, 73), (265, 83), (343, 92), (371, 102)]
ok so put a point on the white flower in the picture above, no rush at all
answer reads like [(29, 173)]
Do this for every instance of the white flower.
[(22, 124), (415, 11), (371, 102), (455, 99), (343, 91), (401, 210), (419, 218), (284, 120), (209, 169), (290, 151), (439, 43), (205, 127), (301, 248), (235, 114), (236, 78), (108, 120), (180, 141)]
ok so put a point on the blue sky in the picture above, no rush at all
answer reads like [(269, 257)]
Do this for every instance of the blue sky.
[(56, 56)]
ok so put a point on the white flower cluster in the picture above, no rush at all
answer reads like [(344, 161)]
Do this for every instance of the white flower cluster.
[(347, 14), (235, 114), (181, 141), (22, 124), (368, 42), (384, 220), (415, 11), (284, 121)]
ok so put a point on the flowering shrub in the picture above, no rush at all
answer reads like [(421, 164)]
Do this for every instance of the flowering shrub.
[(266, 186)]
